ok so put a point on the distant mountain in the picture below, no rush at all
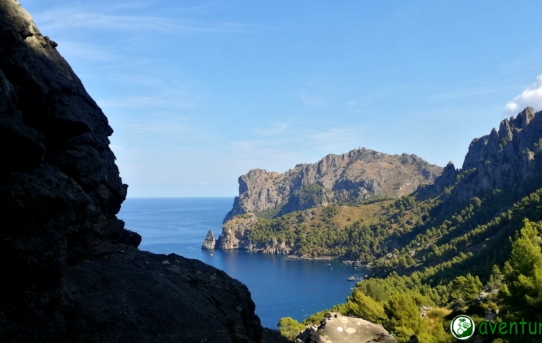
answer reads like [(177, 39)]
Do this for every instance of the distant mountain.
[(349, 179)]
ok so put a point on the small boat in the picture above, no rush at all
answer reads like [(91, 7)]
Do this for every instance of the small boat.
[(351, 278)]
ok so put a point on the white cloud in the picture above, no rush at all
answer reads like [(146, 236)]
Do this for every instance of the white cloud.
[(532, 96)]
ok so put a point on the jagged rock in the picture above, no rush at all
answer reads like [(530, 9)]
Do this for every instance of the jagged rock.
[(70, 271), (209, 242), (354, 176), (342, 329), (504, 159), (448, 177)]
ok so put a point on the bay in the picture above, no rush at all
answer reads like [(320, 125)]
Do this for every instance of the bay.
[(279, 287)]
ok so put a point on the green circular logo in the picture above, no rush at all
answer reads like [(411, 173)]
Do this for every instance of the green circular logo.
[(462, 327)]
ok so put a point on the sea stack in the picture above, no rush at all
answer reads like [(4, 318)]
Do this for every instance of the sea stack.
[(209, 242)]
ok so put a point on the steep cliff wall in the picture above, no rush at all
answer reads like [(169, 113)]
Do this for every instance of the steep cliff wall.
[(354, 176), (70, 271), (505, 159)]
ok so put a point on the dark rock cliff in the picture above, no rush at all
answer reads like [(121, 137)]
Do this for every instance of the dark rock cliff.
[(352, 177), (70, 270)]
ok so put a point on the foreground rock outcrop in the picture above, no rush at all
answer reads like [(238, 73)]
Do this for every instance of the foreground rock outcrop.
[(350, 178), (342, 329), (70, 271)]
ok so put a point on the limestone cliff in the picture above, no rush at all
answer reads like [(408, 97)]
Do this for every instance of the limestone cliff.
[(235, 232), (349, 178), (70, 271), (506, 158)]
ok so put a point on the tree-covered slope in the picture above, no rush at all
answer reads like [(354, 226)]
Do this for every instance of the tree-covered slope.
[(470, 243)]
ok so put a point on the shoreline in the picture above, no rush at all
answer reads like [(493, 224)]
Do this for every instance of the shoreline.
[(295, 257)]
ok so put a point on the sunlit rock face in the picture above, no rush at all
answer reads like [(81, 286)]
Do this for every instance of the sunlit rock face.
[(357, 175), (70, 271)]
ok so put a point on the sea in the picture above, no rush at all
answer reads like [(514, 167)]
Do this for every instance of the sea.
[(279, 287)]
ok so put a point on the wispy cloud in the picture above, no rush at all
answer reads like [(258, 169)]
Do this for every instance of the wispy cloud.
[(532, 96), (273, 129), (86, 51), (369, 98), (159, 127), (150, 101), (465, 93), (286, 147), (73, 19)]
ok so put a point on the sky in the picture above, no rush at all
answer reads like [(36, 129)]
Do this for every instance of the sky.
[(200, 92)]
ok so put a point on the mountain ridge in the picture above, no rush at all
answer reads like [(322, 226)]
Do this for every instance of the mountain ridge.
[(352, 177)]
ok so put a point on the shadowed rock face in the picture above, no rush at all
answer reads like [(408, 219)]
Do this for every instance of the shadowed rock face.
[(357, 175), (70, 270)]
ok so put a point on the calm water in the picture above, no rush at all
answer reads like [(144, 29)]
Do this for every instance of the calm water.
[(279, 287)]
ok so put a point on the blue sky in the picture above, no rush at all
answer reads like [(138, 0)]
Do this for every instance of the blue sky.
[(200, 92)]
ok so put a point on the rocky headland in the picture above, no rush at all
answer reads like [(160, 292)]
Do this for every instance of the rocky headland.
[(348, 178), (71, 272), (351, 178)]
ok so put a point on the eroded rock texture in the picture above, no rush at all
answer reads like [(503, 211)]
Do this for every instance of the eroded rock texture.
[(352, 177), (342, 329), (70, 271)]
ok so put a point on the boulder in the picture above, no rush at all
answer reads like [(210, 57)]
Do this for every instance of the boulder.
[(342, 329)]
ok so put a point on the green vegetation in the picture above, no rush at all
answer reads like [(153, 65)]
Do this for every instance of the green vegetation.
[(434, 255), (431, 253), (290, 328)]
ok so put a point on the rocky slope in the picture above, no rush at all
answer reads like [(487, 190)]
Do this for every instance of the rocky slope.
[(71, 272), (352, 177)]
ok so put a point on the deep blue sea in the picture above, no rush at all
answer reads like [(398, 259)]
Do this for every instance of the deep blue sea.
[(279, 287)]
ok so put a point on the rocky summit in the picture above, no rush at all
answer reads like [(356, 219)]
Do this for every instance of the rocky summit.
[(507, 158), (348, 178), (71, 272)]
